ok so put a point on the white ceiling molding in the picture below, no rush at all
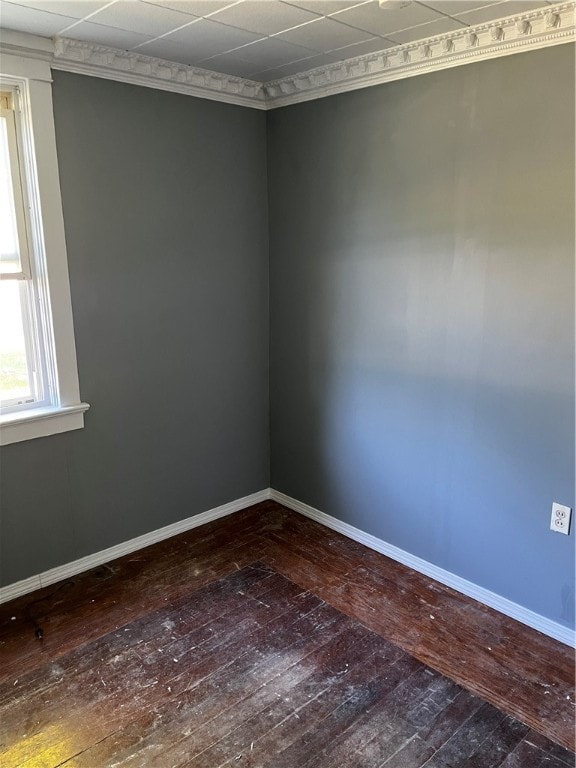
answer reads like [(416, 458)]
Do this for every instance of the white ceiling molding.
[(134, 68), (552, 25), (514, 34)]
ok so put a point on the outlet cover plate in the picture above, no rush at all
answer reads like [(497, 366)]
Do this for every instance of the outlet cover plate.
[(560, 519)]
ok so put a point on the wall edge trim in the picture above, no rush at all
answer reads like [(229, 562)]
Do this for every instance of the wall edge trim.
[(75, 567), (491, 599), (485, 596)]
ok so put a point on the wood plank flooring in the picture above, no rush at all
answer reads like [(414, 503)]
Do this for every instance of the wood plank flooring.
[(264, 639)]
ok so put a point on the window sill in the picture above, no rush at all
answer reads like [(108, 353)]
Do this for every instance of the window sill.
[(41, 422)]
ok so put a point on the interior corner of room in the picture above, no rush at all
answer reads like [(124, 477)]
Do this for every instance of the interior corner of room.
[(341, 302), (364, 302)]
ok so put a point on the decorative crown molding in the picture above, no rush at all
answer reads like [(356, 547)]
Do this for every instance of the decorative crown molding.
[(135, 68), (551, 25)]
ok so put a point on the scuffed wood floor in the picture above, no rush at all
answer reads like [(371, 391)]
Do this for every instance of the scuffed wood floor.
[(264, 639)]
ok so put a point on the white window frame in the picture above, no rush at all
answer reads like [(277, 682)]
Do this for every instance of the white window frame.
[(31, 74)]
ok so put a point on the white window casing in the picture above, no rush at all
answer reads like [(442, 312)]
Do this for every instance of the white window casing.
[(61, 408)]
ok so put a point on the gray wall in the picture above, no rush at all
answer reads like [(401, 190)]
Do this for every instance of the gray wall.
[(422, 336), (164, 202), (422, 296)]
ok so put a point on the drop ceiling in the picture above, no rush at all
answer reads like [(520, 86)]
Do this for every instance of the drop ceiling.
[(261, 40)]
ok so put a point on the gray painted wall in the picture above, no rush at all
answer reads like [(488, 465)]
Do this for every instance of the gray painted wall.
[(422, 299), (164, 202), (422, 336)]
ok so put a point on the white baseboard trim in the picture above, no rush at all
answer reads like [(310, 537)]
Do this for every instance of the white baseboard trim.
[(485, 596), (106, 555)]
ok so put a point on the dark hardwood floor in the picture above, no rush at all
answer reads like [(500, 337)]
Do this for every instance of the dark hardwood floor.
[(264, 639)]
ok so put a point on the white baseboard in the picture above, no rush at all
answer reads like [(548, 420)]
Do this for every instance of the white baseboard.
[(104, 556), (485, 596)]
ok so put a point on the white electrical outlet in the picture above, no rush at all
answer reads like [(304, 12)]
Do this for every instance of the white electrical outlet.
[(560, 520)]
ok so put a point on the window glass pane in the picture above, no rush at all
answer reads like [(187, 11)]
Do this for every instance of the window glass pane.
[(15, 377), (9, 250)]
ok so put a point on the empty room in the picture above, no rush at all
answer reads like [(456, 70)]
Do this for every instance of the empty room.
[(287, 380)]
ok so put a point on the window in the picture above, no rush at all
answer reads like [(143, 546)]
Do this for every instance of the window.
[(24, 381), (39, 393)]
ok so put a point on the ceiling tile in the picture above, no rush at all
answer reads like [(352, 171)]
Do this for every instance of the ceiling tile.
[(498, 11), (264, 17), (75, 9), (360, 49), (272, 52), (383, 21), (33, 21), (97, 33), (193, 7), (320, 60), (325, 7), (296, 67), (452, 7), (142, 18), (229, 64), (324, 34), (162, 49), (262, 77), (207, 38), (423, 31)]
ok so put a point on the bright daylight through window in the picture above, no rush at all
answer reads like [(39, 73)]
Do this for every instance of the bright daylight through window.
[(39, 392), (22, 381)]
